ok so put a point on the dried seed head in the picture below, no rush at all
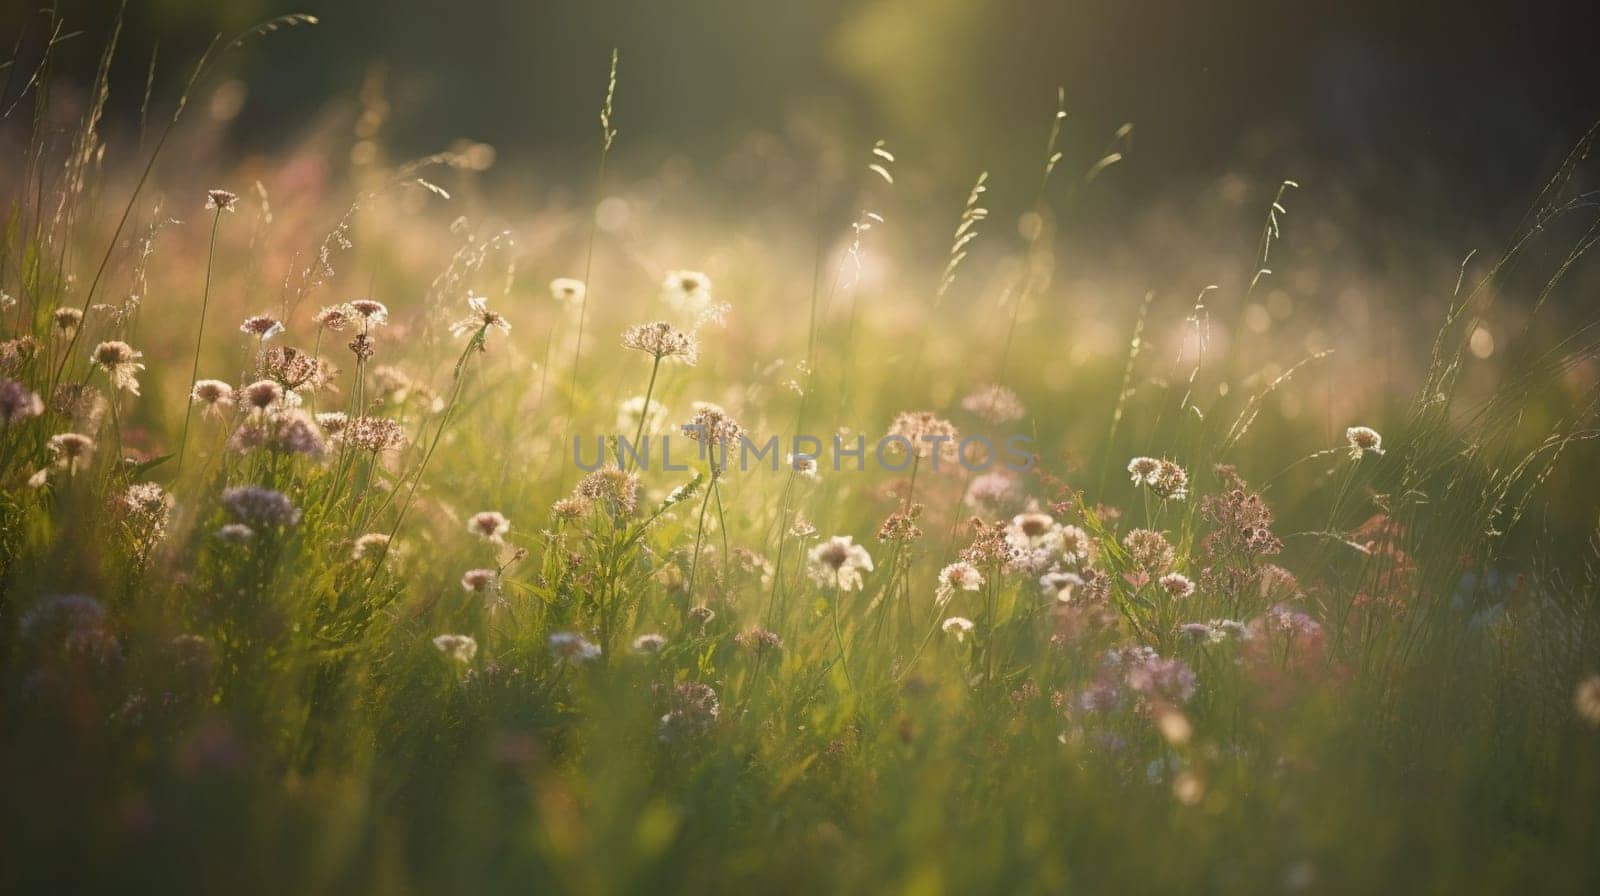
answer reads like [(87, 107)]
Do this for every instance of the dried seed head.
[(262, 394), (220, 200), (489, 525), (120, 363), (372, 313), (67, 319), (261, 326), (214, 396), (927, 435), (1363, 440), (662, 341), (335, 317)]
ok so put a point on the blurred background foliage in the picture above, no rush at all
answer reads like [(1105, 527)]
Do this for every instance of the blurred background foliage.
[(1462, 106)]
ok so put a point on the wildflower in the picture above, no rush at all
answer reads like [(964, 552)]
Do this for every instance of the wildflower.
[(632, 412), (15, 351), (297, 433), (958, 626), (220, 200), (1176, 585), (1284, 618), (149, 505), (694, 712), (286, 430), (1060, 585), (990, 546), (294, 370), (1363, 440), (370, 546), (702, 615), (262, 394), (1074, 544), (712, 424), (838, 563), (572, 648), (568, 291), (374, 434), (992, 493), (1587, 700), (480, 321), (214, 397), (958, 576), (663, 342), (461, 648), (1146, 672), (925, 435), (901, 526), (333, 422), (489, 525), (1035, 541), (67, 319), (479, 580), (805, 466), (1171, 483), (1149, 551), (72, 451), (649, 643), (261, 326), (1033, 527), (260, 506), (363, 348), (335, 317), (995, 404), (1155, 676), (120, 362), (372, 312), (1096, 585), (615, 489), (715, 429), (569, 509), (686, 292), (1242, 521), (759, 640), (1143, 470), (18, 402), (236, 533)]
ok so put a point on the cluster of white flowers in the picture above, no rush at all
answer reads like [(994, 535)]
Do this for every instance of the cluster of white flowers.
[(1040, 545), (838, 563)]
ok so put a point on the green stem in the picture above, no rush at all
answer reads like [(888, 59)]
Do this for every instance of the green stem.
[(644, 413), (199, 336), (444, 422)]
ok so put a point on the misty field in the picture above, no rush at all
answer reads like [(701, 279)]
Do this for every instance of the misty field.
[(369, 524)]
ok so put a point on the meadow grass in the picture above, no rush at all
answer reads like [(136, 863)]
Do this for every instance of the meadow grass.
[(302, 588)]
